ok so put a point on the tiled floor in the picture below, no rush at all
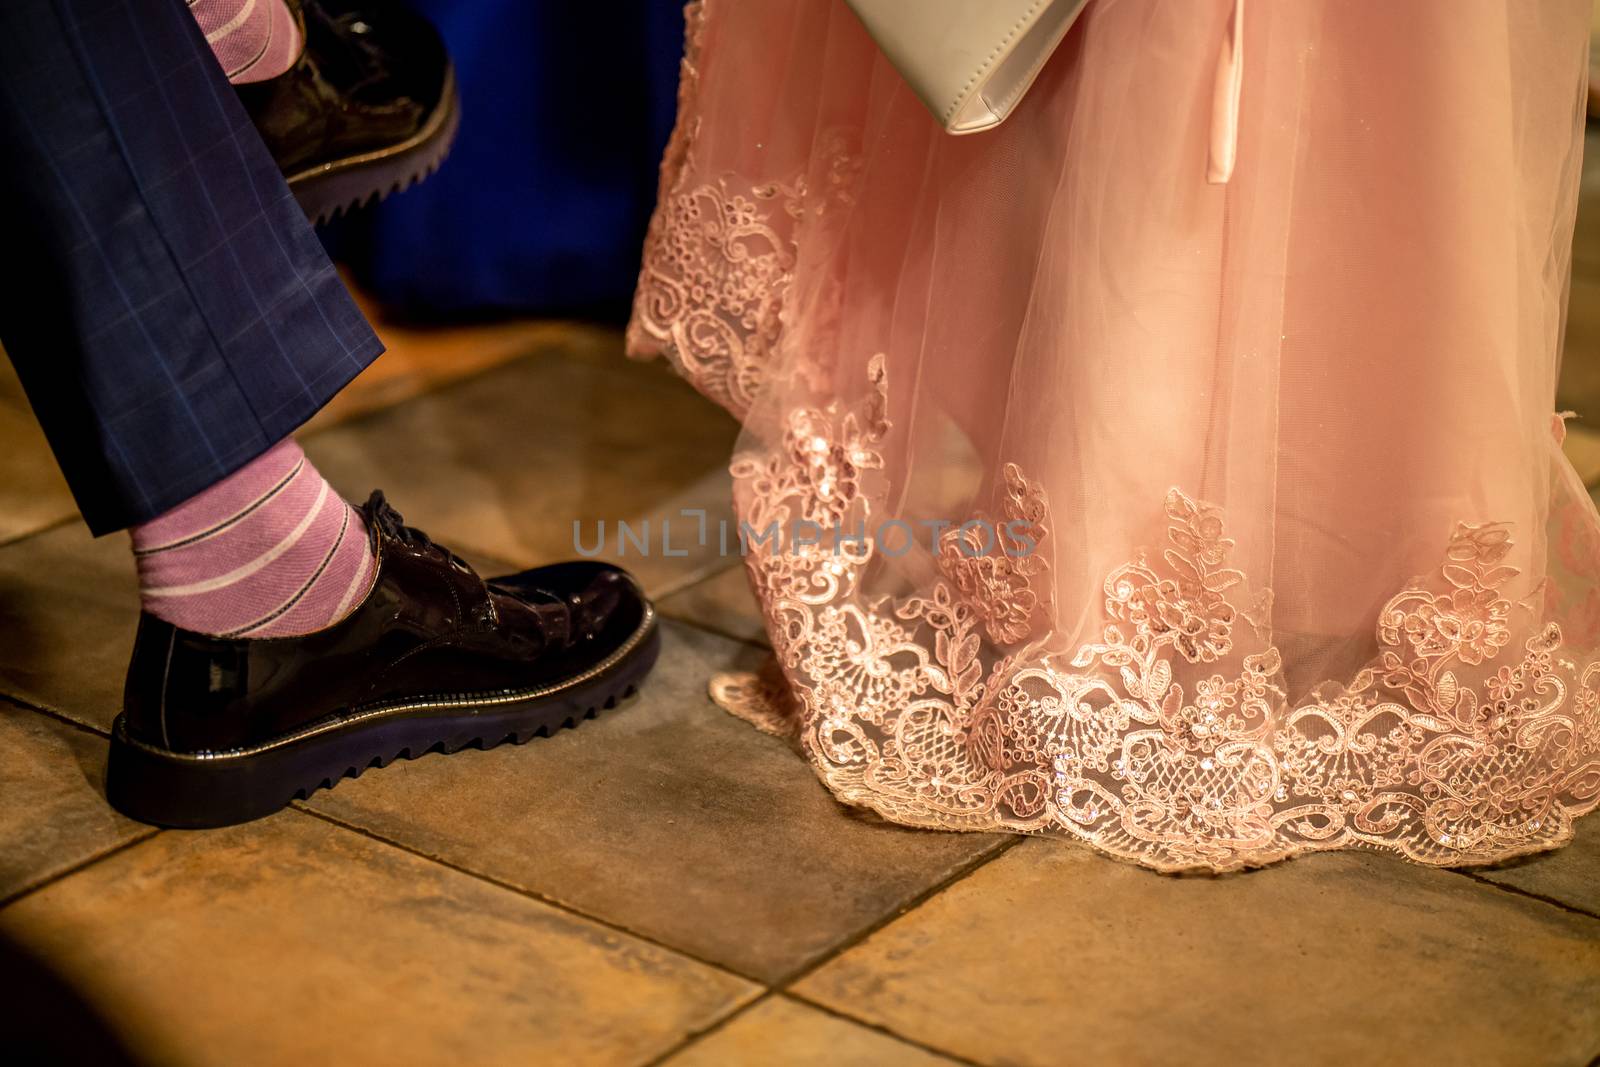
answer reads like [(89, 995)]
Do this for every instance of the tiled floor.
[(665, 884)]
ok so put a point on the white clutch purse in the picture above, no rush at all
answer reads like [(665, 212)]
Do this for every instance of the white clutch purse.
[(969, 61)]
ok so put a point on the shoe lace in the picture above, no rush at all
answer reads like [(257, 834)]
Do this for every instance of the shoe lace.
[(381, 514)]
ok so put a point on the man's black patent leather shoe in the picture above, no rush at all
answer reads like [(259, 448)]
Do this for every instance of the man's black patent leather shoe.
[(369, 107), (216, 731)]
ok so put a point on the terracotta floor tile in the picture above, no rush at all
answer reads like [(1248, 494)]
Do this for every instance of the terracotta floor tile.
[(33, 495), (1582, 448), (1579, 387), (53, 811), (723, 602), (1570, 875), (780, 1032), (1580, 361), (1586, 234), (69, 605), (419, 358), (294, 941), (508, 461), (668, 817), (1054, 955)]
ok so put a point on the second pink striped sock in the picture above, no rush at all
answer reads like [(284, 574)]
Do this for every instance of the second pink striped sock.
[(269, 551)]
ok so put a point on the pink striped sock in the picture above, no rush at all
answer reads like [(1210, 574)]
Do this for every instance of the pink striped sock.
[(253, 39), (269, 551)]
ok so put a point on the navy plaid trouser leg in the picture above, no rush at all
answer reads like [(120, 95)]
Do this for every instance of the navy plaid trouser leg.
[(169, 310)]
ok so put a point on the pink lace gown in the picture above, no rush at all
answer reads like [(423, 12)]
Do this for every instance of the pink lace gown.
[(1262, 540)]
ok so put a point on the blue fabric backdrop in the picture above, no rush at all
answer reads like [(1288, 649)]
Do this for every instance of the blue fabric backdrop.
[(542, 206)]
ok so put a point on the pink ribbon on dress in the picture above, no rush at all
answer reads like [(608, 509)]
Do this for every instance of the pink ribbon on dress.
[(1225, 101)]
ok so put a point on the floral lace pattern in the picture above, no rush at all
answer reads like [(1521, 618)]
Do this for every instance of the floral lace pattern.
[(1160, 742), (995, 565), (712, 286), (720, 255), (717, 262)]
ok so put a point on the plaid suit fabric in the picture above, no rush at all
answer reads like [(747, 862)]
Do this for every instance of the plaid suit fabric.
[(170, 311)]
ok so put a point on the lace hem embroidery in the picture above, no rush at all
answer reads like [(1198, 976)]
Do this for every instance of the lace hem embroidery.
[(1456, 745), (715, 268), (711, 289), (720, 255)]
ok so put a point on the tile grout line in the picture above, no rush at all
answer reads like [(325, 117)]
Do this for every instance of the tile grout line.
[(961, 873), (150, 831), (592, 353), (1518, 891), (442, 385), (785, 985), (523, 891), (51, 713), (879, 1028), (76, 868), (707, 628), (697, 1037), (695, 578), (781, 987), (49, 527), (694, 1037)]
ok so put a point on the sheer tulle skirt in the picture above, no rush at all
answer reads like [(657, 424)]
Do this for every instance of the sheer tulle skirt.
[(1084, 492)]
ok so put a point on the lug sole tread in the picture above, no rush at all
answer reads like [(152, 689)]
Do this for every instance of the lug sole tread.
[(326, 196), (479, 742)]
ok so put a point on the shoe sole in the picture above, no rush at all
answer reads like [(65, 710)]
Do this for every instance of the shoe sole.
[(328, 189), (206, 790)]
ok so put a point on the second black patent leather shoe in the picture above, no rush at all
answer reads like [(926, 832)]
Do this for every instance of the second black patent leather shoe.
[(216, 731), (369, 107)]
